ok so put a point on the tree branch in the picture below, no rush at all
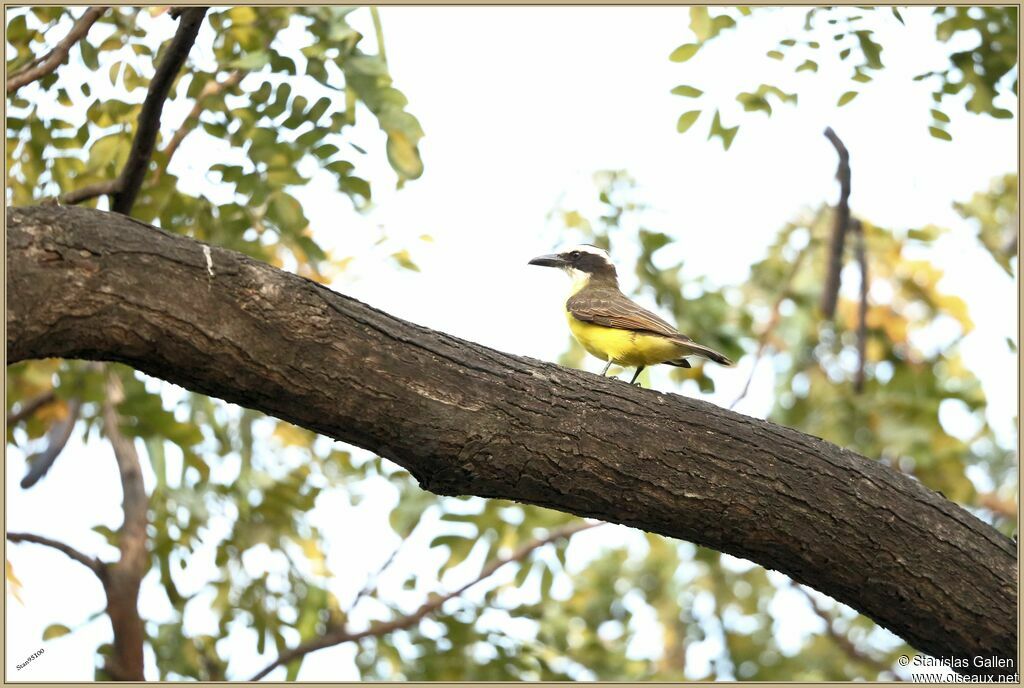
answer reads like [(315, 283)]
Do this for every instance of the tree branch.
[(429, 607), (94, 565), (773, 321), (841, 640), (862, 306), (466, 419), (28, 407), (58, 436), (125, 577), (125, 188), (149, 118), (189, 124), (37, 69), (842, 224)]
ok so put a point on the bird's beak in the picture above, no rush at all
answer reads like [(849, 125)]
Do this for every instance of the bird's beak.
[(549, 261)]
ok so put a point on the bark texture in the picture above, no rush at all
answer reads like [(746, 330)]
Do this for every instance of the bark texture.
[(465, 419)]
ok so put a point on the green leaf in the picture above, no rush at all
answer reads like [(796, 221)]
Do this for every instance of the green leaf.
[(686, 120), (687, 91), (808, 66), (846, 98), (896, 13), (940, 116), (775, 55), (89, 55), (861, 77), (727, 134), (55, 631), (684, 52), (940, 134), (1001, 113), (403, 259)]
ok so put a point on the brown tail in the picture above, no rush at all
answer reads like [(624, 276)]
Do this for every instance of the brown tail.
[(706, 352)]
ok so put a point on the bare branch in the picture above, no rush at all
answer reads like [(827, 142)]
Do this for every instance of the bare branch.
[(835, 255), (125, 577), (149, 118), (124, 190), (862, 308), (94, 565), (188, 126), (28, 407), (841, 640), (464, 419), (87, 193), (773, 321), (58, 435), (342, 636), (135, 503), (37, 69)]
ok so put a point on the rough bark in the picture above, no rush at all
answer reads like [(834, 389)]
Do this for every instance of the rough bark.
[(465, 419)]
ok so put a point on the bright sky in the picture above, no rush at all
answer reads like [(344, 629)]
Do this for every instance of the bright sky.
[(520, 107)]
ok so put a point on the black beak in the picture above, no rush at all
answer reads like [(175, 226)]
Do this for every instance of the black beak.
[(550, 261)]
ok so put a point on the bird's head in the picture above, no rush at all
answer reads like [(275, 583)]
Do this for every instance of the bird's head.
[(582, 263)]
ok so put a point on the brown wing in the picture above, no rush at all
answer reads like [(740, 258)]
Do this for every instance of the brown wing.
[(610, 308)]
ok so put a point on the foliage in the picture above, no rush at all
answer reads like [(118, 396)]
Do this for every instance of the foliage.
[(847, 35), (996, 214)]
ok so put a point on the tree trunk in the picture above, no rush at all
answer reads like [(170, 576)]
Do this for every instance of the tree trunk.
[(465, 419)]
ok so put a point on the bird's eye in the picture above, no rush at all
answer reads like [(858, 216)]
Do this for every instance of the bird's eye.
[(574, 254)]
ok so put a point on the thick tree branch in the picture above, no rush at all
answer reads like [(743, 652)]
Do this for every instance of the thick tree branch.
[(830, 292), (57, 438), (94, 565), (125, 577), (429, 607), (37, 69), (28, 407), (125, 188), (465, 419)]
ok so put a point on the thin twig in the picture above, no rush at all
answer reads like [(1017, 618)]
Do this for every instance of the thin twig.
[(342, 636), (58, 436), (841, 639), (94, 565), (842, 223), (862, 308), (371, 580), (188, 126), (124, 190), (773, 321), (28, 407), (39, 68)]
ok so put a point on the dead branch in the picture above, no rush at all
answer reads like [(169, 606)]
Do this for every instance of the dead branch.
[(842, 221), (342, 636)]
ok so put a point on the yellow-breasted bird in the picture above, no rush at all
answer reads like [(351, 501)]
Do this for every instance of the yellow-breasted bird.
[(610, 326)]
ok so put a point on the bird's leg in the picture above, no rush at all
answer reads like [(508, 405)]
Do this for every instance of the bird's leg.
[(604, 372), (636, 375)]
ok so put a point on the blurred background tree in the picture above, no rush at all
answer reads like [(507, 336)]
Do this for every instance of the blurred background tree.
[(228, 535)]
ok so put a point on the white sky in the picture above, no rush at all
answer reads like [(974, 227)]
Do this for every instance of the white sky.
[(520, 106)]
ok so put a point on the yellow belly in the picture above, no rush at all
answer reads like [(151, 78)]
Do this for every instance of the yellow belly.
[(623, 347)]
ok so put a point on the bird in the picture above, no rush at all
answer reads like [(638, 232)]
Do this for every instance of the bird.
[(609, 325)]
